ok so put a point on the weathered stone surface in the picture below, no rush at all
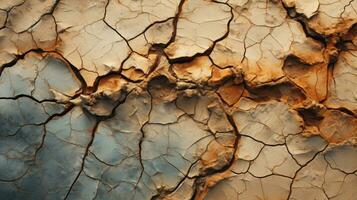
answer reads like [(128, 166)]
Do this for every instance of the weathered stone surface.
[(36, 76), (342, 92), (329, 17), (178, 99), (269, 122)]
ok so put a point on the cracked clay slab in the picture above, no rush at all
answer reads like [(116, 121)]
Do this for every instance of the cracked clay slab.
[(178, 99)]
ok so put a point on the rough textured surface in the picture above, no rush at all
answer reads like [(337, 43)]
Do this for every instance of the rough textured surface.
[(178, 99)]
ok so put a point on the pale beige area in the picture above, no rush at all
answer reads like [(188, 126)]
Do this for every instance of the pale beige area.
[(178, 99)]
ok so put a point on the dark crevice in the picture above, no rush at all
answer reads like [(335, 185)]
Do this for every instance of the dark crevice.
[(174, 22), (208, 51), (47, 13), (47, 121), (17, 58), (225, 167), (303, 22), (83, 159)]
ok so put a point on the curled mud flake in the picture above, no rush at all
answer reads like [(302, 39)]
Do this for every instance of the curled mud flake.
[(282, 91), (267, 48), (160, 33), (219, 76), (334, 17), (89, 77), (311, 78), (104, 100), (137, 67), (198, 71), (101, 104)]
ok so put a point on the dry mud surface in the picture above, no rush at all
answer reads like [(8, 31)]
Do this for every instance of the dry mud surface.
[(178, 100)]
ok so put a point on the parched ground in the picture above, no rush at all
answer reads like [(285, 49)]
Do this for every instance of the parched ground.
[(178, 100)]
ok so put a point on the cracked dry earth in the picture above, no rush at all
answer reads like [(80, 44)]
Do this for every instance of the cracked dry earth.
[(178, 100)]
